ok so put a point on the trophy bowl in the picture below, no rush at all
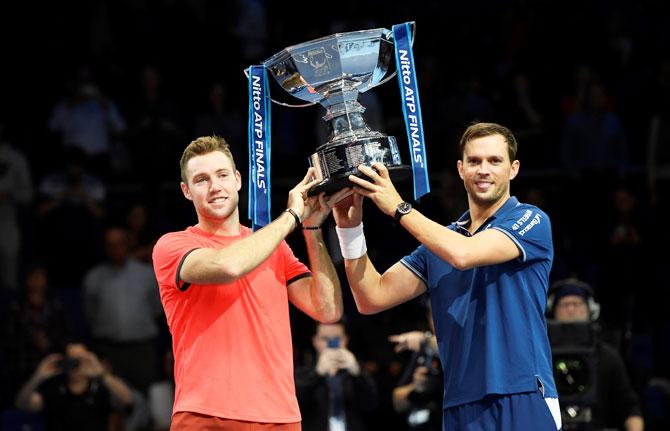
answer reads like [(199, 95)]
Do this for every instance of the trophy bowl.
[(332, 71)]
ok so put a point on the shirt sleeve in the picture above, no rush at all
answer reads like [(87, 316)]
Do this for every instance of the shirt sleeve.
[(530, 229), (417, 263), (168, 255), (293, 269)]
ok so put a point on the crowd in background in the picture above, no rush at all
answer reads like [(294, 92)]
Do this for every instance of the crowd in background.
[(100, 101)]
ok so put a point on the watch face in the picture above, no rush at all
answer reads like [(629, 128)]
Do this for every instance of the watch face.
[(404, 207)]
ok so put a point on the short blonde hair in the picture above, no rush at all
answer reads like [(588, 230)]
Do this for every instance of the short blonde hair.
[(201, 146)]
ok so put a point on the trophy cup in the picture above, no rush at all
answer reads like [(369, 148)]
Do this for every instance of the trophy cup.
[(332, 71)]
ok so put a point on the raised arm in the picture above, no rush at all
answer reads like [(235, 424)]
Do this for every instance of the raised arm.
[(487, 247), (28, 398), (319, 296), (372, 291), (92, 368), (225, 265)]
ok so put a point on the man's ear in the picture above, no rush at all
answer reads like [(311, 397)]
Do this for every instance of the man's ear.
[(186, 191), (515, 169), (459, 166), (238, 179)]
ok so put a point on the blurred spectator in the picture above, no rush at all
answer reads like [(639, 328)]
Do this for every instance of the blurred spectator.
[(376, 355), (593, 140), (252, 29), (87, 120), (161, 395), (616, 404), (70, 211), (657, 397), (576, 100), (141, 234), (625, 288), (74, 391), (155, 134), (35, 324), (16, 189), (658, 156), (222, 119), (468, 103), (335, 392), (625, 231), (522, 114), (121, 304), (419, 392), (658, 147)]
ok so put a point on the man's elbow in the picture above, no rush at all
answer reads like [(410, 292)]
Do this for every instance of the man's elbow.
[(229, 272), (217, 273), (368, 308), (127, 400), (27, 405), (331, 317), (331, 313), (461, 261)]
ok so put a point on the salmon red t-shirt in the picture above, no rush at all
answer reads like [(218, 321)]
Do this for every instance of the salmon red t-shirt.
[(231, 342)]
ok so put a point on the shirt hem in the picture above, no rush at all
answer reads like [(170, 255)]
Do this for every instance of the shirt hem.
[(238, 416), (477, 397)]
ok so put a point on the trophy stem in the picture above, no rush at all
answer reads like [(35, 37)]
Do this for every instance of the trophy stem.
[(345, 121)]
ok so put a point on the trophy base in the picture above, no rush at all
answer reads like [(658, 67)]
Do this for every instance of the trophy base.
[(336, 160), (334, 184)]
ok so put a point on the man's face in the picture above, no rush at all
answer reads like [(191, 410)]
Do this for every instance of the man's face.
[(326, 332), (76, 354), (571, 308), (486, 169), (116, 245), (213, 185)]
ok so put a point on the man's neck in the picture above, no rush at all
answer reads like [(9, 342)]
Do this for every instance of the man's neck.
[(480, 213), (228, 227), (78, 385)]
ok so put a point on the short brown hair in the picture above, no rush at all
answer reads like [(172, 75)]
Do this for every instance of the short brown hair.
[(480, 130), (201, 146)]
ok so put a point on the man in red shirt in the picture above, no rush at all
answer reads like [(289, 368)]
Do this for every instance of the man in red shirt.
[(225, 292)]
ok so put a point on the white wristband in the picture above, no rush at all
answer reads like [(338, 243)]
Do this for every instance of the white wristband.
[(352, 241)]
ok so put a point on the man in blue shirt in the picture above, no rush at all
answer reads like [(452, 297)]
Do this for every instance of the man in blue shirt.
[(487, 275)]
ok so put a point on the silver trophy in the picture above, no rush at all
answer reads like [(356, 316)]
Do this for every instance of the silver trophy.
[(332, 71)]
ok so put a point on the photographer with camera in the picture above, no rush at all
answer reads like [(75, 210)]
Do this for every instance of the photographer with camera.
[(607, 397), (421, 397), (73, 391), (334, 393)]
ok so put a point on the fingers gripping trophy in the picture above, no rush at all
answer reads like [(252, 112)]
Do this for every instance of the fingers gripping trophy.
[(332, 71)]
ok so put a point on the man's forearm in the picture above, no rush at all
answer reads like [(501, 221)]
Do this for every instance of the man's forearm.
[(253, 250), (364, 281), (400, 397), (117, 388), (23, 397), (325, 289), (236, 260)]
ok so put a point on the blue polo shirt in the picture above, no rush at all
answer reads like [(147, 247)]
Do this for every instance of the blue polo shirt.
[(489, 321)]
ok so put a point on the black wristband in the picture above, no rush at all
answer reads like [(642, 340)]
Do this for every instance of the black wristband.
[(311, 227), (298, 223)]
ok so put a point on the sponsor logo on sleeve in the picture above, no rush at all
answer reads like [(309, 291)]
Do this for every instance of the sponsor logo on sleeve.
[(529, 226), (523, 219)]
